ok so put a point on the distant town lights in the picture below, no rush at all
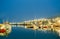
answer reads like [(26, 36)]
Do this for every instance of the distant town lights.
[(58, 21)]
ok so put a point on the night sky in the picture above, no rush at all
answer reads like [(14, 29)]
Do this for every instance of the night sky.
[(21, 10)]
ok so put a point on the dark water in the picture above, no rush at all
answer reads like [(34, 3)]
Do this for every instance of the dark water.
[(22, 33)]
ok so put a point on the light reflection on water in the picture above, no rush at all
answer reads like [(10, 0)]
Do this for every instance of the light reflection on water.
[(22, 33)]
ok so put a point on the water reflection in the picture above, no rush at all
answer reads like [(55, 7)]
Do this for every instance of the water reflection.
[(22, 33)]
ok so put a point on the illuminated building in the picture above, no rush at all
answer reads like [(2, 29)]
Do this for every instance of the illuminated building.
[(36, 24)]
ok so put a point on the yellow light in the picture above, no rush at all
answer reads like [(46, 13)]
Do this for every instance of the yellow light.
[(58, 21)]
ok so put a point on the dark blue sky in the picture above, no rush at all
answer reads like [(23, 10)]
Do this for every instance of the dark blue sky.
[(20, 10)]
